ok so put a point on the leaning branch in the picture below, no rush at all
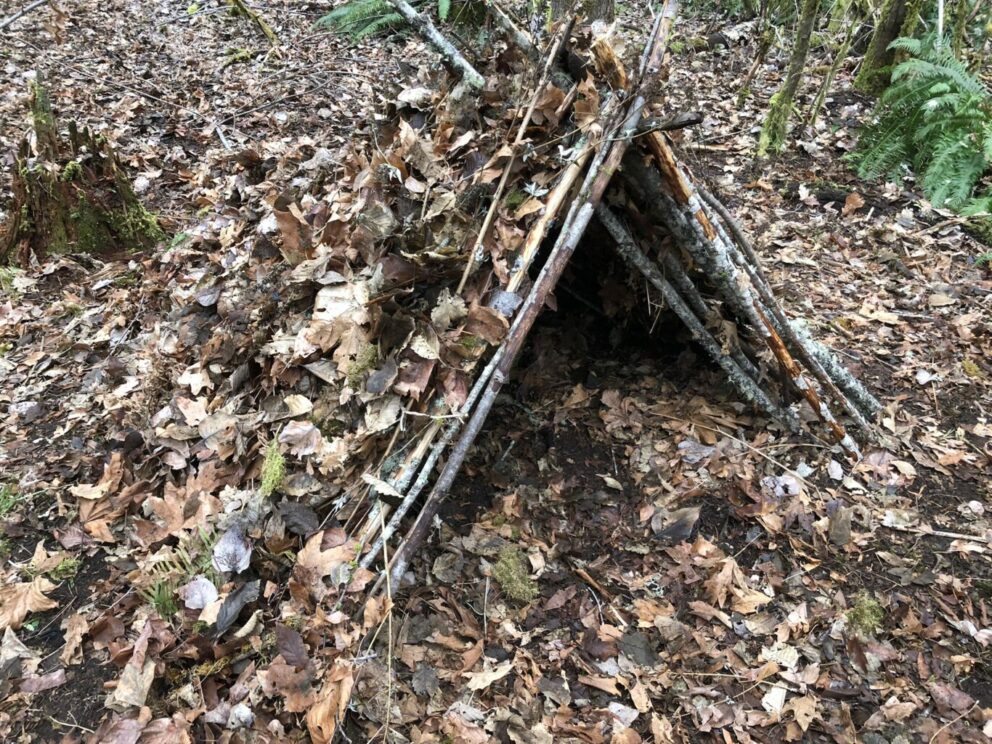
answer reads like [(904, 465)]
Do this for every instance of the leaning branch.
[(449, 51), (514, 152)]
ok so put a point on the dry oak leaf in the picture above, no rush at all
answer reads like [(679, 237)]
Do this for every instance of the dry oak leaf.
[(295, 687), (327, 553), (17, 601), (482, 680), (852, 203), (75, 628), (804, 709), (332, 703)]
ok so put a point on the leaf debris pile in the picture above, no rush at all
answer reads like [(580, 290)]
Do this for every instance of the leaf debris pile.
[(695, 570)]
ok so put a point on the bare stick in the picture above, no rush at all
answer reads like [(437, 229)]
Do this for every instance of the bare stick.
[(645, 183), (21, 13), (554, 204), (438, 449), (515, 149), (671, 123), (449, 51), (516, 34), (597, 180)]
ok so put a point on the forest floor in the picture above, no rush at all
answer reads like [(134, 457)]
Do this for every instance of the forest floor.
[(692, 573)]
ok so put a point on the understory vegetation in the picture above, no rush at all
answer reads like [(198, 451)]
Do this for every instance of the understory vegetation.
[(360, 19), (936, 116)]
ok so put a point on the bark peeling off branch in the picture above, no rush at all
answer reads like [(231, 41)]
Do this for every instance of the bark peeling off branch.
[(708, 246)]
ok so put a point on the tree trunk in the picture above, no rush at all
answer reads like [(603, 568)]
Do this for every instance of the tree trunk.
[(780, 108), (877, 63), (591, 10), (960, 12), (71, 199), (828, 80)]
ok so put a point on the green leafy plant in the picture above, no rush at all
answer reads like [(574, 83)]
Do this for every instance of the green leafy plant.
[(936, 117), (162, 597), (8, 499), (363, 18), (193, 556), (360, 19)]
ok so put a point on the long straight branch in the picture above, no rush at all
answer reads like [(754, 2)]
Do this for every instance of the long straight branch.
[(645, 183), (637, 261), (831, 382), (516, 34), (709, 248), (21, 13)]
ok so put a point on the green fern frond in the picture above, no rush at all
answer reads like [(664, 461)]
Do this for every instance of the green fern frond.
[(361, 19), (937, 117)]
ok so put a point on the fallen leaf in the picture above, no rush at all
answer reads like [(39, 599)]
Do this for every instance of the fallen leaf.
[(17, 601), (852, 203), (332, 703), (232, 553), (804, 709), (75, 628), (198, 593), (43, 682), (482, 680)]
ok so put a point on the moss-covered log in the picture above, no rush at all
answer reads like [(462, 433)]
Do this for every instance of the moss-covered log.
[(71, 197)]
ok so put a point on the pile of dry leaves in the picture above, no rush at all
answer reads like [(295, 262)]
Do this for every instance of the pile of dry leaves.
[(195, 439)]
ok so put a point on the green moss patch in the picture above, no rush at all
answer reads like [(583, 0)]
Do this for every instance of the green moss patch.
[(866, 615), (511, 571)]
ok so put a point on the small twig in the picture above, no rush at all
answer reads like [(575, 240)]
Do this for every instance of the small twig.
[(940, 533), (20, 14), (951, 723), (389, 640), (65, 724), (946, 223)]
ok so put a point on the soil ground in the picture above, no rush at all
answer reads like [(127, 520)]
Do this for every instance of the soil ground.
[(688, 559)]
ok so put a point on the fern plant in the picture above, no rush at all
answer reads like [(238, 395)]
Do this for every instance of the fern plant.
[(936, 117), (361, 19)]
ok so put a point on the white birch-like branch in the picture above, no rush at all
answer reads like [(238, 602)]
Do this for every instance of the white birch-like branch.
[(449, 51)]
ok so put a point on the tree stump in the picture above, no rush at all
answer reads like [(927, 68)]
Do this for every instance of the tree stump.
[(71, 198)]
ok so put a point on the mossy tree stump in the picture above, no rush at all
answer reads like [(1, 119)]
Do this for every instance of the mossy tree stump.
[(71, 197)]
